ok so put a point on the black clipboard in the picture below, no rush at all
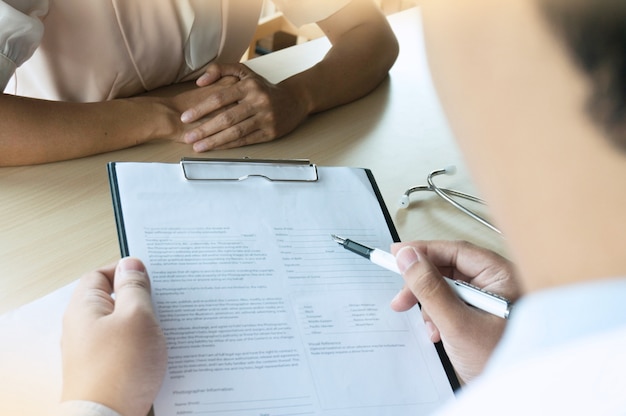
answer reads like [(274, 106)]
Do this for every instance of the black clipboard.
[(283, 171)]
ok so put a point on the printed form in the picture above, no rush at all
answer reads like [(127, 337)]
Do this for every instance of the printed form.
[(263, 312)]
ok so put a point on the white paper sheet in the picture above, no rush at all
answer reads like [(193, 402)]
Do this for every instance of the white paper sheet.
[(263, 312), (30, 355)]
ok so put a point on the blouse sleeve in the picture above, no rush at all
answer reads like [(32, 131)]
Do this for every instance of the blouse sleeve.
[(20, 33), (301, 12), (83, 408)]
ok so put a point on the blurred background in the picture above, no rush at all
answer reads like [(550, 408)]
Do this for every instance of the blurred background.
[(275, 32)]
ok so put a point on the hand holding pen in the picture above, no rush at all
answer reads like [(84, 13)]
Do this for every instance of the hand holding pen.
[(470, 294), (468, 334)]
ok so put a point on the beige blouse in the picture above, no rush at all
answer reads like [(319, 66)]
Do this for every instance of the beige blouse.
[(76, 50)]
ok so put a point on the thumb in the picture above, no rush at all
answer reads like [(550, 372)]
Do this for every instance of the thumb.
[(439, 302), (131, 285)]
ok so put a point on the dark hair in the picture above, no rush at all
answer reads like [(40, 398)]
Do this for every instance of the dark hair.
[(594, 32)]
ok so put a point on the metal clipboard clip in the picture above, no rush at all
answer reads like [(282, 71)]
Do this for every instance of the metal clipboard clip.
[(298, 170)]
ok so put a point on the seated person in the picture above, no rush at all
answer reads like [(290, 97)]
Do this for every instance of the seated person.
[(534, 91), (93, 78)]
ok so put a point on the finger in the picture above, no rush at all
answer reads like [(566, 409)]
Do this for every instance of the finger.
[(132, 286), (212, 74), (92, 296), (404, 300), (258, 136), (431, 328), (215, 71), (437, 299), (460, 259), (243, 132), (441, 253), (216, 100), (477, 265), (228, 119)]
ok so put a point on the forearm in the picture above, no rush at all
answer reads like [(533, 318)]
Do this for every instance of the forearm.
[(38, 131), (358, 61)]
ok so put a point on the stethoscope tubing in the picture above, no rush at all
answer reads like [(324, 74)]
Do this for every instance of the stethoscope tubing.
[(446, 194)]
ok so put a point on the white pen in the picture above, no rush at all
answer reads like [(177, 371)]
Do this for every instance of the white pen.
[(470, 294)]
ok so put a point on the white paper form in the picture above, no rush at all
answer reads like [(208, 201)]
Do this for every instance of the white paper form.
[(263, 312)]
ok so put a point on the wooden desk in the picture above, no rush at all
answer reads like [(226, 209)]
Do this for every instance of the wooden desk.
[(57, 220)]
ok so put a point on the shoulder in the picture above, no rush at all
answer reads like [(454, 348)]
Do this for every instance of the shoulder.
[(582, 377)]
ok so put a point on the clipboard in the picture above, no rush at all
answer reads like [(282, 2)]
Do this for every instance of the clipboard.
[(235, 170), (292, 170), (243, 246)]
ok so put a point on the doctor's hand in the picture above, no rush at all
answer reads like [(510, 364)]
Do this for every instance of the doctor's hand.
[(469, 335), (252, 110), (113, 350)]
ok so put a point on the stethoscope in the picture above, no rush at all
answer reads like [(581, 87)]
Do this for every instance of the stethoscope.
[(446, 194)]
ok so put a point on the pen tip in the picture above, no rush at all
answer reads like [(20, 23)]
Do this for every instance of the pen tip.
[(338, 239)]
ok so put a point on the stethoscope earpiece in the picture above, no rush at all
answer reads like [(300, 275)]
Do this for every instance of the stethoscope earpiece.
[(404, 201)]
